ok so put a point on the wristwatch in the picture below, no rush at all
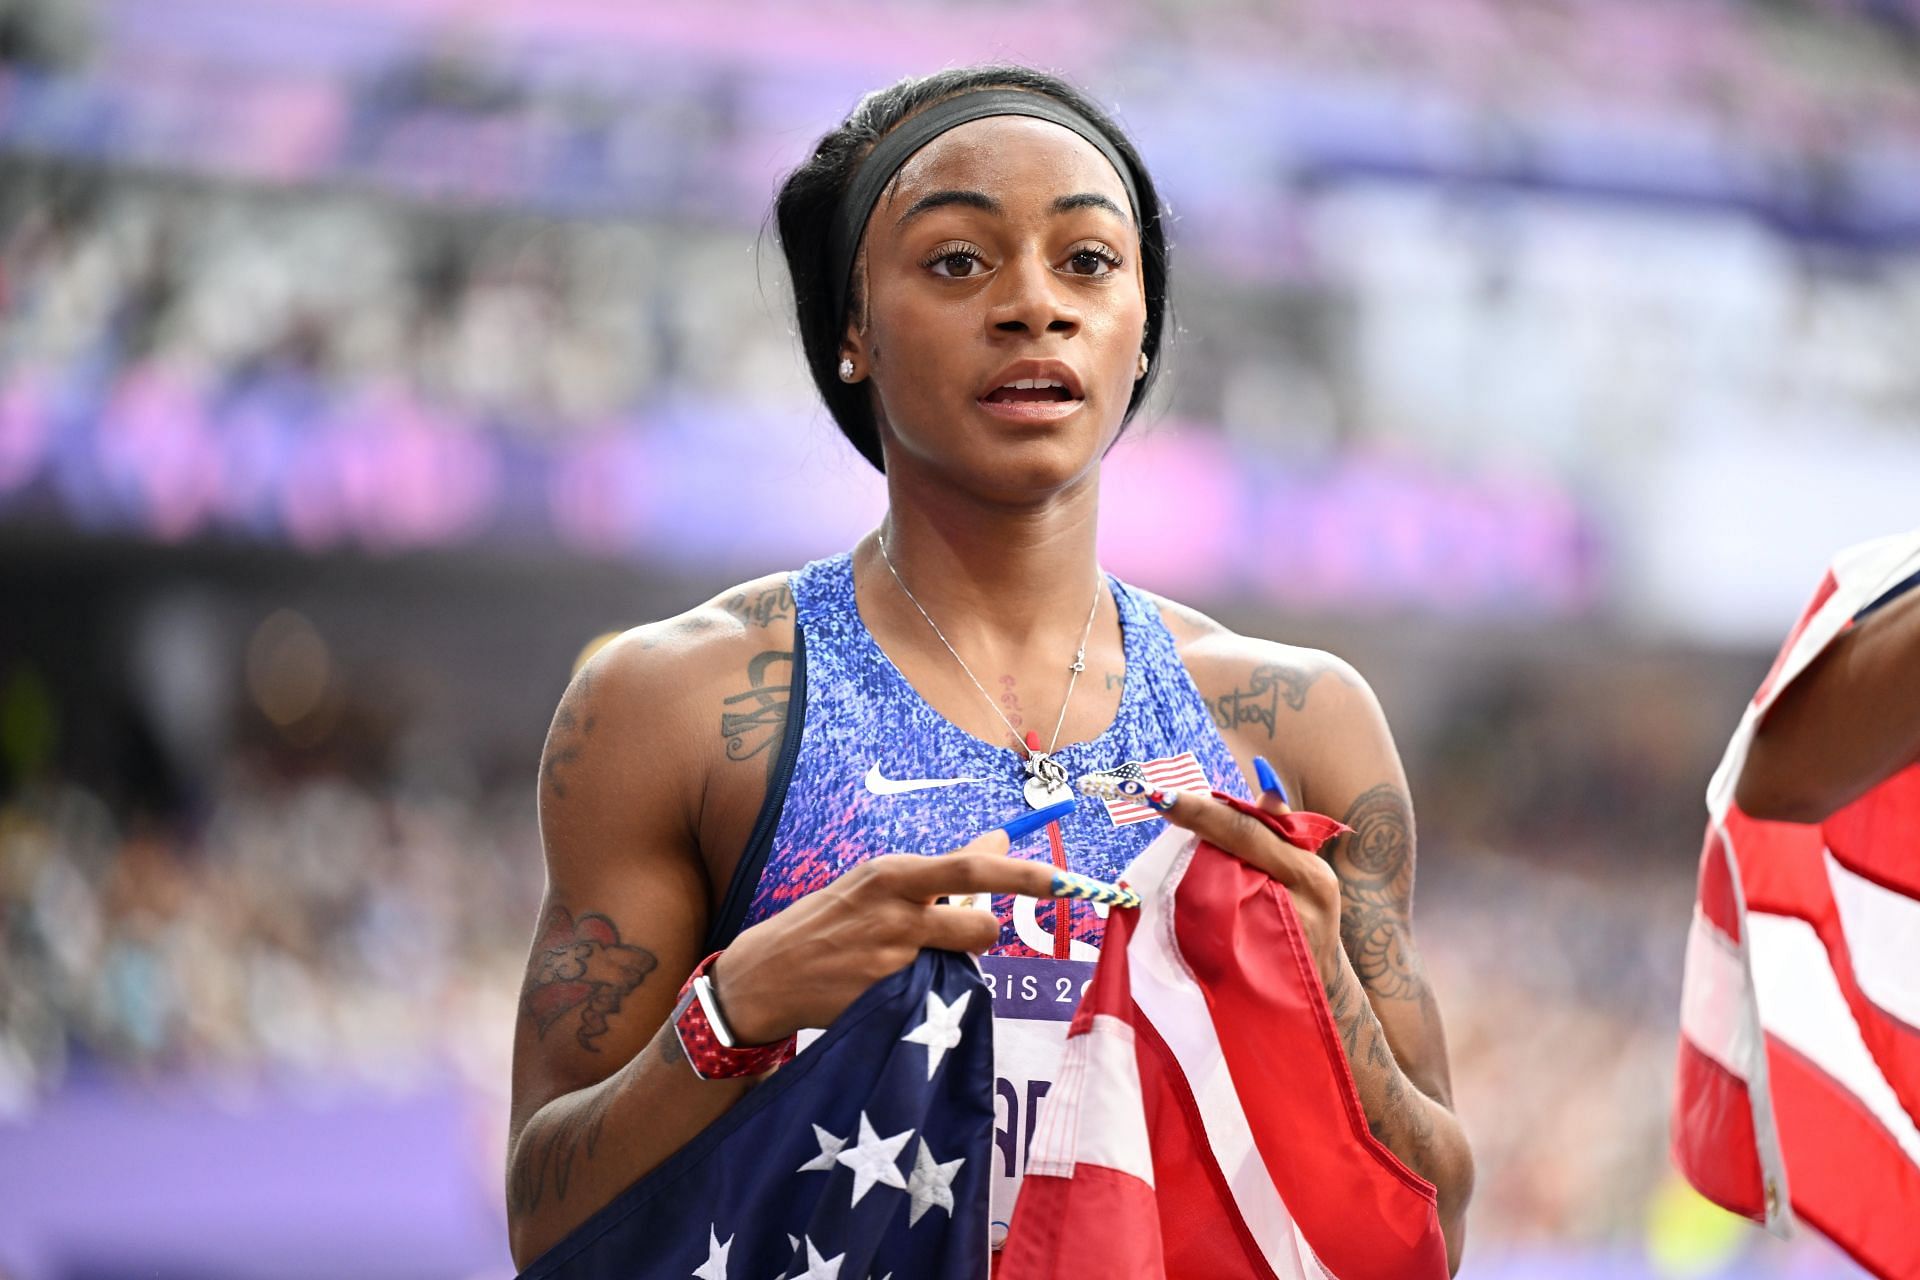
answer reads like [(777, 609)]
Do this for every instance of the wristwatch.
[(712, 1050)]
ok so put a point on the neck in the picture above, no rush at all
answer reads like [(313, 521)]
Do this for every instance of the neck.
[(1008, 576)]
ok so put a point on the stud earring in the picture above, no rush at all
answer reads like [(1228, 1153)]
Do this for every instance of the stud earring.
[(846, 368), (1143, 365)]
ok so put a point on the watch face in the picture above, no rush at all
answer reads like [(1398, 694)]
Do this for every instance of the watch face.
[(703, 991)]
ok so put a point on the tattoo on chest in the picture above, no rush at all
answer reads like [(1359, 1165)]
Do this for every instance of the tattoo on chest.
[(581, 964), (567, 739), (752, 719), (1257, 702), (761, 608), (1010, 702)]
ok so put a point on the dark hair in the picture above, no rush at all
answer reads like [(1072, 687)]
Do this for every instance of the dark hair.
[(804, 211)]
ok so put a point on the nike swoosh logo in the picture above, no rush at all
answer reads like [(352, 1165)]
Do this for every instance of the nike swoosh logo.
[(881, 785)]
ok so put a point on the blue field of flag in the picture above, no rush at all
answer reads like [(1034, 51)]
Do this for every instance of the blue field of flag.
[(865, 1157)]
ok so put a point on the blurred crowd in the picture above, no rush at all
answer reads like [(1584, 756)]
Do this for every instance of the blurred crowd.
[(254, 306), (324, 928), (317, 927)]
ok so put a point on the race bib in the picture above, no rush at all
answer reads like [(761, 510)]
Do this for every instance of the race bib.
[(1033, 1001)]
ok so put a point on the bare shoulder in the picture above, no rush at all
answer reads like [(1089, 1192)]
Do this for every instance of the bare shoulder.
[(1254, 686), (673, 700)]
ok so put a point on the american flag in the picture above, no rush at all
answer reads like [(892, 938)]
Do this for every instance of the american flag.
[(1174, 773), (1204, 1124), (1798, 1089), (866, 1156)]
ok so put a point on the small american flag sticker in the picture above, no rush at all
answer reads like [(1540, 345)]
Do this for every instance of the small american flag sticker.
[(1174, 773)]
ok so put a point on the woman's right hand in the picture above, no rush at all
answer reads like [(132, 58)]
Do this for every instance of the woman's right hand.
[(803, 967)]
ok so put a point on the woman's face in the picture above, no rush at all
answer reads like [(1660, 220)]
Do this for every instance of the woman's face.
[(1003, 253)]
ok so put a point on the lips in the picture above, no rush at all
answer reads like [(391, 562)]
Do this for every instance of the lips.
[(1034, 391), (1033, 382), (1029, 391)]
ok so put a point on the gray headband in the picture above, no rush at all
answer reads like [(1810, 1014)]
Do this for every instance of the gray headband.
[(900, 145)]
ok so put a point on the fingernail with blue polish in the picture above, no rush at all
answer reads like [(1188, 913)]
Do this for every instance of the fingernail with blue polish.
[(1160, 801), (1071, 884), (1026, 824), (1269, 780)]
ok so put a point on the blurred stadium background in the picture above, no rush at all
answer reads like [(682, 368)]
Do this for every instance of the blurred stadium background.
[(361, 361)]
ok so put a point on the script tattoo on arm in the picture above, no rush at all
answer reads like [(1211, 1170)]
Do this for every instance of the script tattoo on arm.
[(581, 964), (572, 726), (546, 1151), (1375, 864), (761, 608), (756, 716), (1258, 701)]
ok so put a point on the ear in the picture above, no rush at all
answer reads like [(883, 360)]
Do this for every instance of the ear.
[(855, 359)]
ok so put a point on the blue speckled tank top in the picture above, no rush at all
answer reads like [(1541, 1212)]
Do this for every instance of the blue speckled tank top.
[(855, 711)]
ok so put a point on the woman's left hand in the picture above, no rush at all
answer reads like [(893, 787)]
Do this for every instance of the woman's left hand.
[(1307, 877)]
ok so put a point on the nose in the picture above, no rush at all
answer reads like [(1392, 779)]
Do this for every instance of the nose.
[(1029, 300)]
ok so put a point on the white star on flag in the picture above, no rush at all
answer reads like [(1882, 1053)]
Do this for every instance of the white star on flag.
[(931, 1183), (941, 1030), (829, 1148), (715, 1267), (819, 1268), (875, 1159)]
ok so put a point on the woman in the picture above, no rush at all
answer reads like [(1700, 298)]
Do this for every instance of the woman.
[(980, 274)]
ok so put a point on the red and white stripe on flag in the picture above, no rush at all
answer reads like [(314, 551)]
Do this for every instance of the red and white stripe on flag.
[(1175, 773), (1798, 1091), (1204, 1123)]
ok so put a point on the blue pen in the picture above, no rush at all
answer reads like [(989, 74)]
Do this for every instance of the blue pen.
[(1026, 824)]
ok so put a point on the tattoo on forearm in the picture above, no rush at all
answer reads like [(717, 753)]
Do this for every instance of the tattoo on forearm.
[(1258, 701), (546, 1153), (761, 608), (1396, 1111), (1375, 863), (581, 964), (762, 705), (566, 740)]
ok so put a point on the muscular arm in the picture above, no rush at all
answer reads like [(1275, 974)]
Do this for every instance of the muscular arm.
[(1317, 721), (601, 1092), (1849, 721)]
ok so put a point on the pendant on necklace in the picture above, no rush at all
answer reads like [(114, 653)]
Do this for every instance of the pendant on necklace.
[(1046, 781)]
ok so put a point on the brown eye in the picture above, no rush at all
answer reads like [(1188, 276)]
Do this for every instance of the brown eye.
[(957, 264), (1090, 262)]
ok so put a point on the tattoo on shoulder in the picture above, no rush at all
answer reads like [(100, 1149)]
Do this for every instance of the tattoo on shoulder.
[(1257, 701), (1375, 864), (567, 739), (581, 963), (752, 720), (761, 608)]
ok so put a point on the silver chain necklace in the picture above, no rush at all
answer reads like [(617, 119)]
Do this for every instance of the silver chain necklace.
[(1046, 777)]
